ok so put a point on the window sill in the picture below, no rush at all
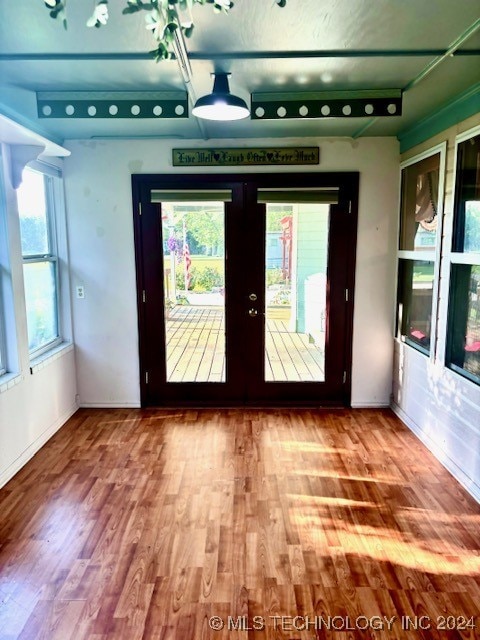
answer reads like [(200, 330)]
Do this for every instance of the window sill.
[(413, 345), (466, 375), (9, 380), (46, 358)]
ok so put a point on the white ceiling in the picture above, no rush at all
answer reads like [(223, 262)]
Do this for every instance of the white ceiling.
[(37, 54)]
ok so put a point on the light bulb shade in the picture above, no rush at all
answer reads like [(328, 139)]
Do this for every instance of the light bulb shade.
[(221, 104)]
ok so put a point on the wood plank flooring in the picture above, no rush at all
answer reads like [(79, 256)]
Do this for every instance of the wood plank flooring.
[(289, 357), (296, 524), (196, 349), (195, 344)]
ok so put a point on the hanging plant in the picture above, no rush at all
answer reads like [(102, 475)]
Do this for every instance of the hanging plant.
[(162, 17), (173, 244)]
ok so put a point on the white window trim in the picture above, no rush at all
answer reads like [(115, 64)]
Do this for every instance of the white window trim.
[(9, 380), (3, 340), (5, 361), (41, 361), (465, 258), (49, 173), (3, 343), (461, 137)]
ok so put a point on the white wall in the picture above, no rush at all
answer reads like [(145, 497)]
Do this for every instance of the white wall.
[(34, 401), (33, 409), (441, 407), (99, 206)]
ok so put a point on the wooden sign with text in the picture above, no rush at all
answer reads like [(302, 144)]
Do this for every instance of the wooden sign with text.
[(218, 157)]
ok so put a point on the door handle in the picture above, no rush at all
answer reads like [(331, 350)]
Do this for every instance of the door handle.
[(252, 297), (252, 313)]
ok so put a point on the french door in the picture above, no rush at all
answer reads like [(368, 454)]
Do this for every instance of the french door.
[(245, 287)]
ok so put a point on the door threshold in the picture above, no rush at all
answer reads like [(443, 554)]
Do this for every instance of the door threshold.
[(260, 406)]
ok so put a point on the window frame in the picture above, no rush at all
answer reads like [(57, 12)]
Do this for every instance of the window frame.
[(4, 261), (435, 255), (3, 342), (51, 257), (458, 258)]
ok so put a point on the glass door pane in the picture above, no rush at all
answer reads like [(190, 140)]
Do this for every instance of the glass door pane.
[(194, 285), (296, 291)]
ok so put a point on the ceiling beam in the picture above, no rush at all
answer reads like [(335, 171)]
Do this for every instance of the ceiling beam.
[(326, 104), (328, 53), (246, 55), (112, 104)]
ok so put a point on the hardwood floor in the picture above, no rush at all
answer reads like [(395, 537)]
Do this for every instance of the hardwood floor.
[(149, 523)]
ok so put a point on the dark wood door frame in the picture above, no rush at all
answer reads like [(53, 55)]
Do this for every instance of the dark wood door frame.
[(149, 273)]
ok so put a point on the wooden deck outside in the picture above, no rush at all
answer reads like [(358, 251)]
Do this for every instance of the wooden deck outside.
[(196, 349), (195, 344)]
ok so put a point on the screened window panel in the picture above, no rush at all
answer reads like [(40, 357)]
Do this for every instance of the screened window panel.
[(32, 211), (419, 207), (415, 297), (40, 265), (464, 320), (472, 227), (466, 237), (41, 303), (463, 335)]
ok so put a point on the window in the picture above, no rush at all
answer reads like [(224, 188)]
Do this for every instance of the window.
[(3, 366), (4, 273), (463, 339), (419, 207), (415, 293), (40, 263)]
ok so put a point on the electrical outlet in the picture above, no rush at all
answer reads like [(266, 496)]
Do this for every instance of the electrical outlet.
[(80, 291)]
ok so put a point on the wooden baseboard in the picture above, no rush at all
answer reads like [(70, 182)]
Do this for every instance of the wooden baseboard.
[(109, 405)]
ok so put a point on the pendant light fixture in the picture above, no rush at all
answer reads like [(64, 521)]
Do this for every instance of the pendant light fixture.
[(221, 104)]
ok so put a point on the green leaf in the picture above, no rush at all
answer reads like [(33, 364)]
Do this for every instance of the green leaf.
[(162, 17), (137, 5), (59, 14), (57, 10), (161, 52), (187, 31)]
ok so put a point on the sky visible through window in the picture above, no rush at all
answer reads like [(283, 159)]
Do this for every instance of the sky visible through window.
[(32, 211)]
